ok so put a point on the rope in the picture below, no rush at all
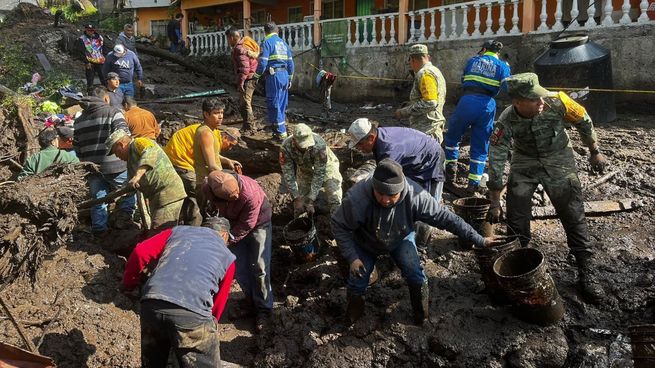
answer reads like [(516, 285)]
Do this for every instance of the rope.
[(362, 77), (601, 90)]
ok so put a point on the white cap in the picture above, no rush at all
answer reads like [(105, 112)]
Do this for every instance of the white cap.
[(358, 130), (119, 50)]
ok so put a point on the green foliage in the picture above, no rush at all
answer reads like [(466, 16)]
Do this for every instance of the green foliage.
[(115, 22), (16, 68), (72, 13)]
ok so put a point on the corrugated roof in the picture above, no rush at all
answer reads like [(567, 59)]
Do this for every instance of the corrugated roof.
[(133, 4), (11, 4)]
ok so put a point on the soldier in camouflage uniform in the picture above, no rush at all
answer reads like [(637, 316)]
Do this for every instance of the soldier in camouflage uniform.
[(310, 171), (533, 129), (425, 109), (151, 172)]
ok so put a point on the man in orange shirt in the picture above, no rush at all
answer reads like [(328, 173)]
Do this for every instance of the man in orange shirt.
[(244, 58), (142, 123)]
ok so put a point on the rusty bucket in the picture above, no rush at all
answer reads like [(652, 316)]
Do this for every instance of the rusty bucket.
[(474, 211), (486, 256), (523, 275), (300, 235)]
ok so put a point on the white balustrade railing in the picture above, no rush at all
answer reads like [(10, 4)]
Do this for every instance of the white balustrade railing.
[(475, 19), (590, 15), (370, 30), (299, 36)]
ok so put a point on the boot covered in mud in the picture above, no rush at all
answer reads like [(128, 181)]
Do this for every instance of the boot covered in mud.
[(588, 284), (355, 308), (419, 297), (451, 172)]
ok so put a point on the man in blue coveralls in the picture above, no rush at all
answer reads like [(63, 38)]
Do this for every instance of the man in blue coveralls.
[(477, 108), (276, 61)]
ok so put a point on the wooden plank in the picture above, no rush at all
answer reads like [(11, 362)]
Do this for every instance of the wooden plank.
[(44, 62), (593, 208)]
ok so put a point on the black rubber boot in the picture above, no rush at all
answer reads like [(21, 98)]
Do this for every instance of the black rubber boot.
[(419, 297), (588, 284), (451, 172), (355, 308)]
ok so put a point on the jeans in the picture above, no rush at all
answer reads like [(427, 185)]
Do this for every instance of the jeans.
[(253, 267), (404, 255), (127, 88), (193, 338), (99, 186)]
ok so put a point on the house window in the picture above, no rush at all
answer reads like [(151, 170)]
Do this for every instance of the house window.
[(331, 9), (158, 28), (295, 14), (412, 5), (258, 17)]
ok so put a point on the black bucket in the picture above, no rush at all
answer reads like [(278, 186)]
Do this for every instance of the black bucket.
[(486, 256), (300, 235), (523, 275), (474, 211), (642, 338)]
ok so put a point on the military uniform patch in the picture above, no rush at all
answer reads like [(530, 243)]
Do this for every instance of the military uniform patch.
[(574, 111), (496, 135)]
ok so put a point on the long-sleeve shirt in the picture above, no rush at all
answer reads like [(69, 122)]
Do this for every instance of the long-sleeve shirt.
[(428, 95), (142, 123), (244, 65), (361, 221), (128, 42), (92, 128), (275, 54), (92, 49), (540, 143), (251, 210), (420, 155), (45, 158), (485, 72), (125, 66), (192, 269)]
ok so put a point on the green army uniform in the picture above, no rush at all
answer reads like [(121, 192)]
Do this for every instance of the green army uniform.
[(312, 174), (45, 158), (161, 185), (427, 98)]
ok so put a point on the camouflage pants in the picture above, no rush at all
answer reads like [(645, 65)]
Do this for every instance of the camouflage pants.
[(329, 197), (190, 213), (192, 337), (166, 216), (566, 196), (429, 124)]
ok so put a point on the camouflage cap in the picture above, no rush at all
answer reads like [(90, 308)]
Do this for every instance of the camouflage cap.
[(303, 136), (418, 49), (525, 85), (114, 137)]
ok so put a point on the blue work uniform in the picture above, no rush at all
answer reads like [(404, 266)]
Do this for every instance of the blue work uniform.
[(477, 108), (276, 61)]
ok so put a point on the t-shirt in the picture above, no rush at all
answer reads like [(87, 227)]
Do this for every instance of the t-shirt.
[(142, 123), (180, 147)]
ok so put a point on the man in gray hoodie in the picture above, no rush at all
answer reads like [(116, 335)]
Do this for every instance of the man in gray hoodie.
[(377, 217)]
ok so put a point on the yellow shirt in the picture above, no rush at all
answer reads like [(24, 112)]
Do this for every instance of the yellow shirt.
[(180, 148)]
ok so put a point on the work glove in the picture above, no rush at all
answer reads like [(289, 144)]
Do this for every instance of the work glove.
[(598, 161), (309, 208), (298, 206), (357, 268), (496, 214)]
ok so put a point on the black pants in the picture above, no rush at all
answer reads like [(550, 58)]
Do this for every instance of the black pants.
[(90, 73), (566, 196), (166, 326)]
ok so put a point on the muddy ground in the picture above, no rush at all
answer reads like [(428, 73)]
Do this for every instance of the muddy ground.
[(77, 314)]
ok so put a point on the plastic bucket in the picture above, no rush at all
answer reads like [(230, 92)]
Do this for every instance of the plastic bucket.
[(300, 235), (486, 256), (522, 274), (642, 338), (474, 211)]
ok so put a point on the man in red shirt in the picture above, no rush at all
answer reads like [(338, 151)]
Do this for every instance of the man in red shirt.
[(190, 272), (244, 58), (241, 200)]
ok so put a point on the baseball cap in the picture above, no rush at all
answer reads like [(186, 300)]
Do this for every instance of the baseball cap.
[(358, 130), (418, 49), (65, 131), (112, 75), (224, 185), (113, 138), (492, 46), (525, 85), (90, 26), (119, 50), (303, 136)]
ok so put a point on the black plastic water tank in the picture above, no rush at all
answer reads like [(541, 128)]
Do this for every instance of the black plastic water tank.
[(574, 62)]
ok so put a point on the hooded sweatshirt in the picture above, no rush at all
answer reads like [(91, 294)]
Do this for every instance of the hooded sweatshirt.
[(125, 66), (92, 128), (361, 222)]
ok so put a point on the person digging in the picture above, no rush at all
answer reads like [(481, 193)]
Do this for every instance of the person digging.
[(377, 217)]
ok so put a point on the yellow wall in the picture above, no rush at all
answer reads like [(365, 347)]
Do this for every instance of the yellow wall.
[(145, 15)]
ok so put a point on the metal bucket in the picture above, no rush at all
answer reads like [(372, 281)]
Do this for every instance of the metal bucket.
[(642, 338), (523, 275), (474, 211), (486, 256), (300, 235)]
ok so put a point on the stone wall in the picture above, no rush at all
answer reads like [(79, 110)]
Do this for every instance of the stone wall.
[(632, 50)]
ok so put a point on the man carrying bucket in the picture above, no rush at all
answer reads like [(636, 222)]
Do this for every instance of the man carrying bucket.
[(377, 217), (310, 171), (241, 200), (533, 130)]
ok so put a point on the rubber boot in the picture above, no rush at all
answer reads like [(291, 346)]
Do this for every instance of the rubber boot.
[(419, 297), (355, 308), (587, 283), (451, 172)]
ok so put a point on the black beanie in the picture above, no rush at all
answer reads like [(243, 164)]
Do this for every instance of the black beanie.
[(388, 177)]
